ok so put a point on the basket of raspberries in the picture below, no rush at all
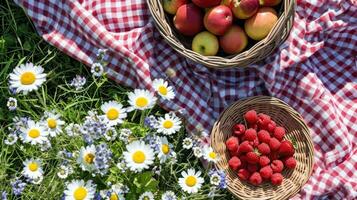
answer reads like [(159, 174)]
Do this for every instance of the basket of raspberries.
[(260, 156), (264, 147)]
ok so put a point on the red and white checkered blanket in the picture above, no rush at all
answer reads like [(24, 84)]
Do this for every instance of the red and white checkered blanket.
[(314, 71)]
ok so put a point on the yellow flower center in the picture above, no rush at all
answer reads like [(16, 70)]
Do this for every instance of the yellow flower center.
[(114, 196), (165, 148), (34, 133), (89, 158), (162, 90), (141, 102), (112, 114), (168, 124), (191, 181), (139, 157), (33, 166), (27, 78), (146, 198), (80, 193), (52, 123), (212, 155)]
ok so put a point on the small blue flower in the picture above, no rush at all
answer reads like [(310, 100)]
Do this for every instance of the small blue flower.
[(4, 195), (18, 187)]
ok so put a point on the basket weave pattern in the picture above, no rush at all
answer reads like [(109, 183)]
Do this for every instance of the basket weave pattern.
[(259, 51), (296, 130)]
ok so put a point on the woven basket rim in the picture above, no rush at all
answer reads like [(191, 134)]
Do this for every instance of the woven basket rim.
[(257, 52), (307, 146)]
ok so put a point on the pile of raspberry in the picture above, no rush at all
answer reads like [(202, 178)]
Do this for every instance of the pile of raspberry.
[(259, 152)]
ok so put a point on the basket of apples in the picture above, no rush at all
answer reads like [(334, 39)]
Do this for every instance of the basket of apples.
[(223, 33), (264, 147)]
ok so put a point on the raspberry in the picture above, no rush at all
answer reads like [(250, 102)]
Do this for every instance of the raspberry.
[(245, 147), (264, 149), (250, 134), (252, 158), (251, 116), (290, 163), (252, 168), (276, 179), (264, 136), (266, 172), (274, 144), (238, 129), (286, 149), (234, 163), (243, 160), (232, 144), (243, 174), (255, 143), (279, 133), (271, 126), (264, 161), (263, 120), (277, 166), (255, 179)]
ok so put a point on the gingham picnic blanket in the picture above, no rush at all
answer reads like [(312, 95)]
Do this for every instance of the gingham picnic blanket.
[(314, 71)]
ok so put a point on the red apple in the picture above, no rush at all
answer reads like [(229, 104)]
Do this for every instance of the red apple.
[(234, 40), (259, 26), (226, 2), (171, 6), (206, 3), (218, 19), (188, 19), (243, 9), (269, 2)]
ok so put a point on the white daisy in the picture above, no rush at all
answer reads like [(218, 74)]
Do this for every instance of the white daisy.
[(37, 180), (215, 179), (97, 69), (113, 112), (111, 134), (187, 143), (165, 149), (11, 103), (115, 196), (141, 100), (197, 151), (191, 181), (138, 156), (120, 188), (86, 158), (147, 196), (26, 78), (32, 168), (63, 172), (53, 123), (168, 125), (162, 88), (169, 195), (11, 139), (79, 190), (34, 133), (209, 154)]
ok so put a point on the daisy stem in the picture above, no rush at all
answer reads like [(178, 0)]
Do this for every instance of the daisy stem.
[(134, 115), (142, 117)]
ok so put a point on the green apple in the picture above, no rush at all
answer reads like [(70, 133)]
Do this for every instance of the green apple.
[(205, 43)]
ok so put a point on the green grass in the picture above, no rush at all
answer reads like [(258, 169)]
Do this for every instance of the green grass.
[(19, 43)]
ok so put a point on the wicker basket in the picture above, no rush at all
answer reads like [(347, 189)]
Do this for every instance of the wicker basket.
[(296, 130), (260, 50)]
